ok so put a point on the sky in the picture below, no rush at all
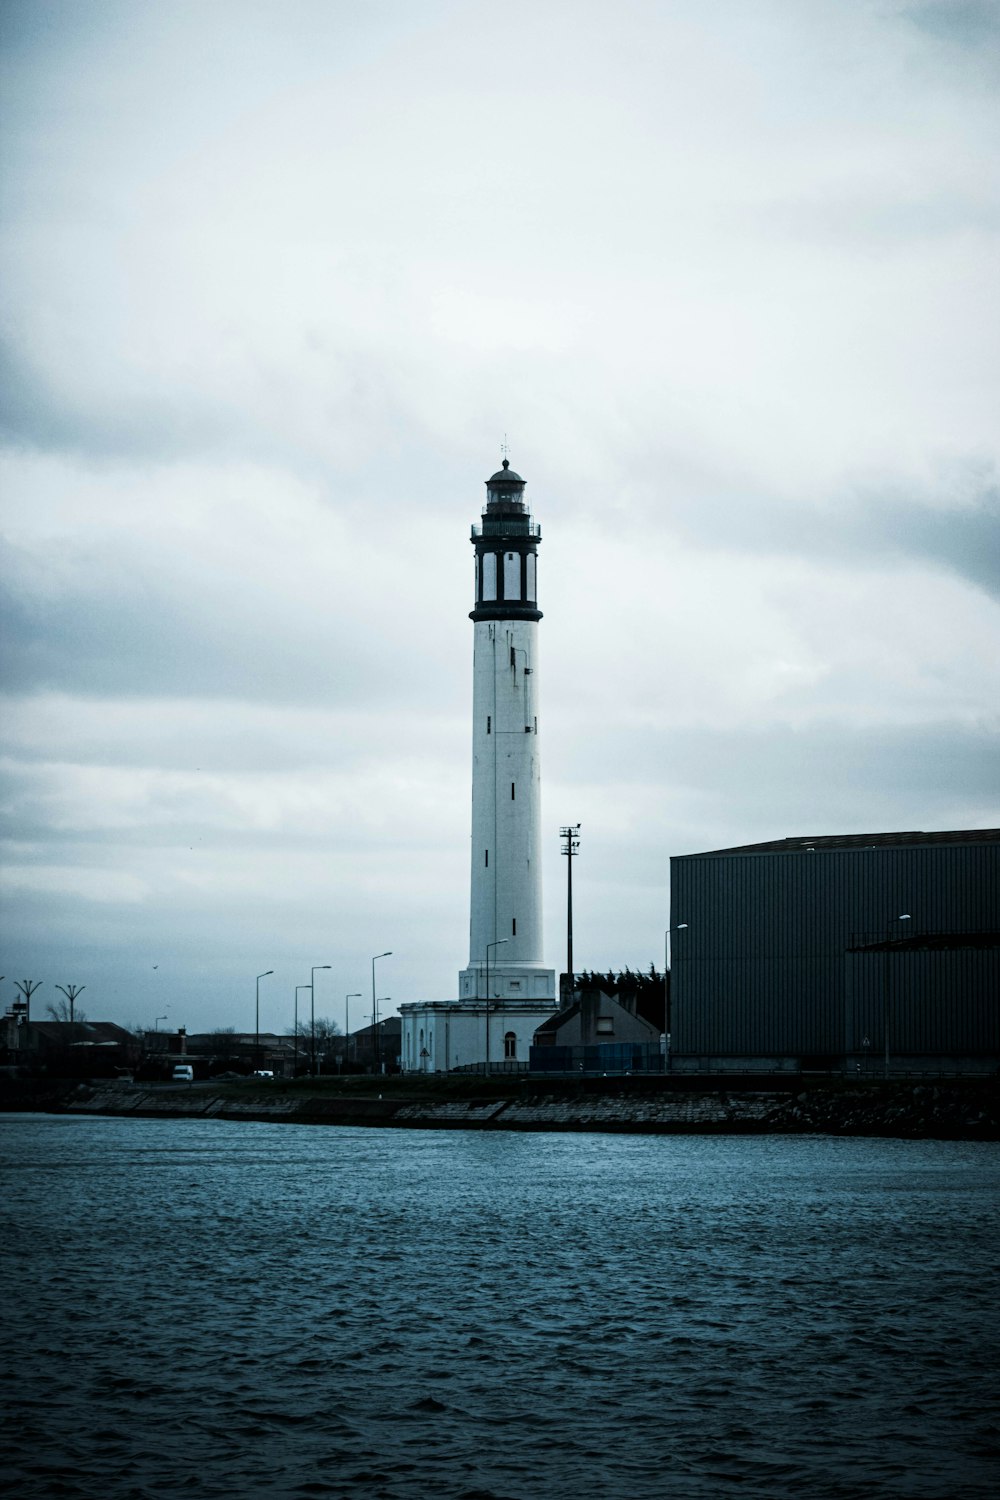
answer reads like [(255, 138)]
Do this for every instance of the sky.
[(278, 281)]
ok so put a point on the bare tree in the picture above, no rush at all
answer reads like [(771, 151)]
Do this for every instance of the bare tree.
[(326, 1029)]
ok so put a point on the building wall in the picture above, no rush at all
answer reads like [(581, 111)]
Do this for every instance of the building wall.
[(443, 1035), (922, 1002), (763, 968)]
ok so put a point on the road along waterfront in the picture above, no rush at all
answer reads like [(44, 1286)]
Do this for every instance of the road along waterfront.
[(211, 1307)]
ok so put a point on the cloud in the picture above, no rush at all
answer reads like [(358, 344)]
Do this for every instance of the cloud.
[(277, 280), (948, 520), (972, 25)]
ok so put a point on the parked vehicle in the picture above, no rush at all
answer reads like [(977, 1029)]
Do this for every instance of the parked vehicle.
[(183, 1073)]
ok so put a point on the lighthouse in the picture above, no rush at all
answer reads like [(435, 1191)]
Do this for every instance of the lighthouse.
[(505, 908), (505, 992)]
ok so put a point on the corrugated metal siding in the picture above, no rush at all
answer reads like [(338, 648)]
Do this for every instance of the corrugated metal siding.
[(762, 969), (933, 1001)]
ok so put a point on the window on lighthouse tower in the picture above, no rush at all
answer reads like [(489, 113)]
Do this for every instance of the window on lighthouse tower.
[(512, 575), (489, 575)]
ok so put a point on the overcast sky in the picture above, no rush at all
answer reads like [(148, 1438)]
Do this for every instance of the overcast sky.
[(279, 276)]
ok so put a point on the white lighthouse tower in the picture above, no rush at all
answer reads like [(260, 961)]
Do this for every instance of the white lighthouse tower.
[(505, 926), (505, 993)]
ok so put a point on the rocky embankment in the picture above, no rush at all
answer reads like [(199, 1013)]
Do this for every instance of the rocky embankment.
[(967, 1111)]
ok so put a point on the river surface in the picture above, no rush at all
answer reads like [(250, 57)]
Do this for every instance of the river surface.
[(210, 1308)]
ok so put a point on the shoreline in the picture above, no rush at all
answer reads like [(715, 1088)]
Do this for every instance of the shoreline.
[(969, 1110)]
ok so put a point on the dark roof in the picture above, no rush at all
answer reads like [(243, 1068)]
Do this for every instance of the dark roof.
[(67, 1033), (559, 1018), (828, 841), (506, 475)]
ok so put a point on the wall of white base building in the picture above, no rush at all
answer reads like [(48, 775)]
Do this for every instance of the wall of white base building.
[(442, 1035)]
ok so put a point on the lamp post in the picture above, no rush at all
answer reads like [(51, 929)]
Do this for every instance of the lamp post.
[(312, 1015), (376, 1050), (156, 1022), (499, 942), (357, 995), (71, 991), (295, 1028), (904, 917), (667, 985), (256, 1024)]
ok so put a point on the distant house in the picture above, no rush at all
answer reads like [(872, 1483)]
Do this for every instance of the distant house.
[(593, 1019), (244, 1051), (173, 1043), (597, 1033), (100, 1048)]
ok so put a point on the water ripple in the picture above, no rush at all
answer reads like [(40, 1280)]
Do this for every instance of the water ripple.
[(206, 1308)]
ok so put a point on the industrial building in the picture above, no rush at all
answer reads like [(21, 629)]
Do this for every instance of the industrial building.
[(868, 953)]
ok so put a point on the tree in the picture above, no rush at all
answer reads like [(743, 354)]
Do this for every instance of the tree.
[(326, 1030)]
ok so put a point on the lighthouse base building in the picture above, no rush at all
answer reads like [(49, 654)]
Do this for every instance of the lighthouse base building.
[(505, 992)]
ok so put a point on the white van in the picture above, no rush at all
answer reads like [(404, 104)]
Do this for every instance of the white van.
[(183, 1073)]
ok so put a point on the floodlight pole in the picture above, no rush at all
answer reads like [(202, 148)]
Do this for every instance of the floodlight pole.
[(571, 844), (667, 987), (376, 1049)]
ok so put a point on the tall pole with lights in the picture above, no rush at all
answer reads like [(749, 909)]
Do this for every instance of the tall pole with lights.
[(570, 848), (904, 917), (497, 944), (376, 1049), (312, 1015), (71, 991), (347, 1020), (256, 1026), (667, 986), (295, 1029)]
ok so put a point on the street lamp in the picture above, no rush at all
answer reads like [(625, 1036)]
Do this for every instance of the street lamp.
[(71, 992), (312, 1016), (667, 985), (904, 917), (357, 995), (295, 1028), (375, 1036), (256, 1025), (499, 942)]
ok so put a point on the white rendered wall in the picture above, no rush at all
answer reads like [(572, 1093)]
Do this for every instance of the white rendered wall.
[(506, 885), (439, 1037)]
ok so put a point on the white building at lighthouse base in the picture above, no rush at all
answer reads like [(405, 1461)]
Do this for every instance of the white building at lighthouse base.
[(440, 1036)]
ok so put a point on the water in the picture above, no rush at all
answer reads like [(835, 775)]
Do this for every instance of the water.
[(207, 1308)]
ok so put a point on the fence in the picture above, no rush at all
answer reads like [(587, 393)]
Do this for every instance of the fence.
[(603, 1057)]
